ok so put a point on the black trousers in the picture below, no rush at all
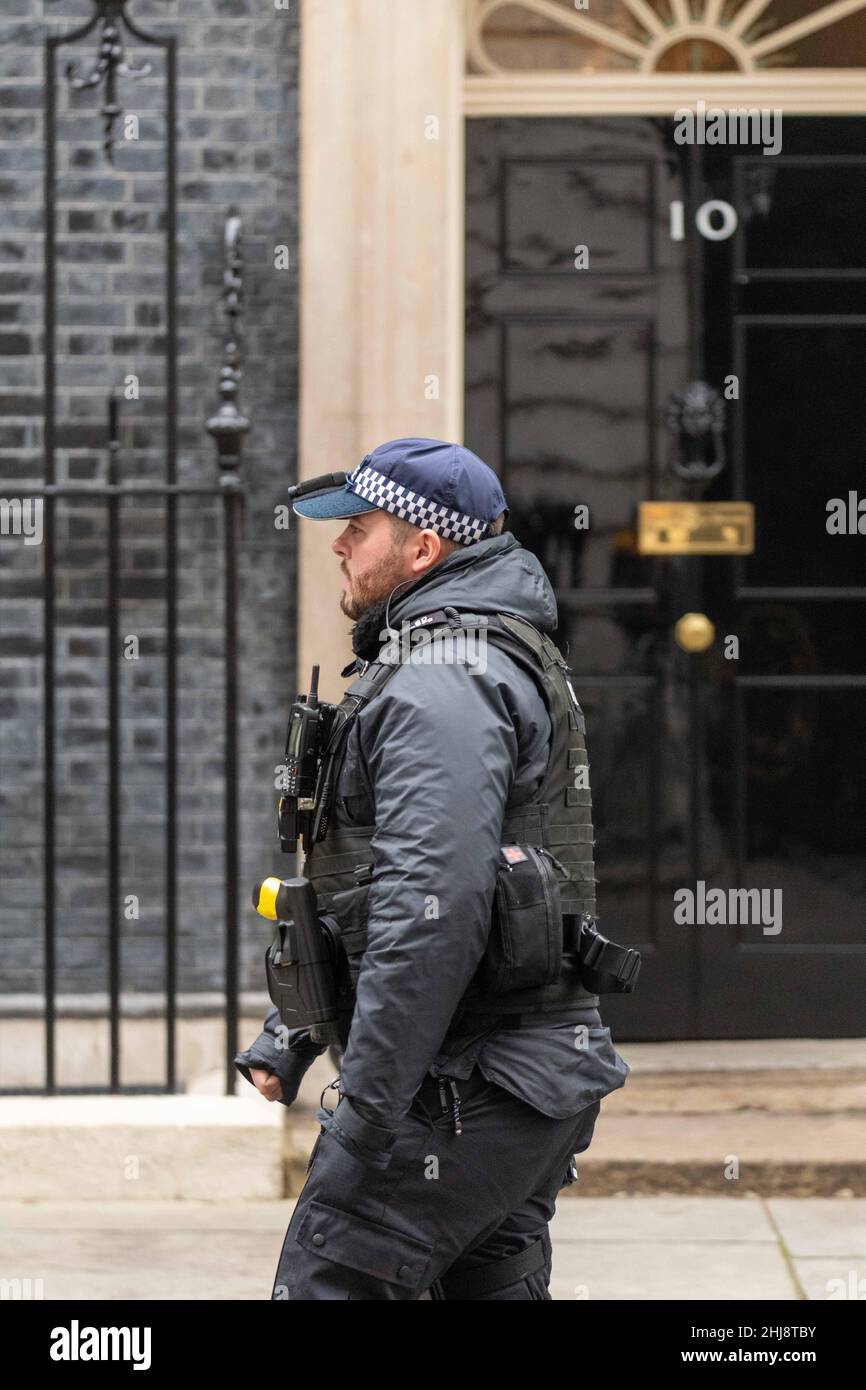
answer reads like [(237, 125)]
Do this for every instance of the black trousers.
[(454, 1216)]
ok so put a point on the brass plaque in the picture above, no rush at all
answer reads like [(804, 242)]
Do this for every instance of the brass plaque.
[(696, 528)]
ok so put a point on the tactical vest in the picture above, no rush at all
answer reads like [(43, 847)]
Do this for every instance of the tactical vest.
[(557, 816)]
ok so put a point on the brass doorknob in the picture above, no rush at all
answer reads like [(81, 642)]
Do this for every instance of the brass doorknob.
[(694, 632)]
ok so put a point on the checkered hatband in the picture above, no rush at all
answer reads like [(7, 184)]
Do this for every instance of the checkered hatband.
[(374, 487)]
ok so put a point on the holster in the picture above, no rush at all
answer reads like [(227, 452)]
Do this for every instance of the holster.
[(301, 981), (605, 966)]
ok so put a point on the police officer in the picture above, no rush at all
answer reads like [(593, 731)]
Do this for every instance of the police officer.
[(460, 1105)]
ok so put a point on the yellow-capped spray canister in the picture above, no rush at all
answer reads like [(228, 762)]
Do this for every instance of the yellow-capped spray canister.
[(265, 898)]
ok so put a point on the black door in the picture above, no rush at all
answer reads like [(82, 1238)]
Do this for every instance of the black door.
[(608, 269)]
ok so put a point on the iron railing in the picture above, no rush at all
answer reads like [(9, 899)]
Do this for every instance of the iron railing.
[(227, 427)]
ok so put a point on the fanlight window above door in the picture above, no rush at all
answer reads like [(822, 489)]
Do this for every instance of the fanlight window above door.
[(589, 36)]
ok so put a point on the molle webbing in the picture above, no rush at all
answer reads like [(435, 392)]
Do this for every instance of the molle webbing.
[(564, 809)]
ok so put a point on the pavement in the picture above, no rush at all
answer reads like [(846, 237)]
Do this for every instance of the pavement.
[(630, 1248)]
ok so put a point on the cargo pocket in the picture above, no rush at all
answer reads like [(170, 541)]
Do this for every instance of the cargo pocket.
[(381, 1252)]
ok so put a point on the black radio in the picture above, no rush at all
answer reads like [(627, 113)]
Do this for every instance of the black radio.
[(302, 810)]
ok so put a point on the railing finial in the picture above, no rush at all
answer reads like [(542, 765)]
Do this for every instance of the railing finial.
[(229, 425)]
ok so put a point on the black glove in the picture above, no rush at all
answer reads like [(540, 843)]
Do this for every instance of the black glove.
[(287, 1052)]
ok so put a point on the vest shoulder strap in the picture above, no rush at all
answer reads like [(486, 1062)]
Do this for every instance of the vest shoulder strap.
[(533, 650), (500, 626), (370, 681)]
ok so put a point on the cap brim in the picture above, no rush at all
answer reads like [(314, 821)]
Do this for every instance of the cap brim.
[(331, 505)]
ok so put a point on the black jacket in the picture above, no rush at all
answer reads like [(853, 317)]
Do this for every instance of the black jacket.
[(443, 747)]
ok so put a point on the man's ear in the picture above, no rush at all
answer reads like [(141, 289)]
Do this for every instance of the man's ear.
[(429, 550)]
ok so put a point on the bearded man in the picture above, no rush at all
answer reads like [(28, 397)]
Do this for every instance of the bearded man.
[(473, 1058)]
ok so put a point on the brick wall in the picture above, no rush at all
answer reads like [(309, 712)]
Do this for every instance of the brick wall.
[(237, 144)]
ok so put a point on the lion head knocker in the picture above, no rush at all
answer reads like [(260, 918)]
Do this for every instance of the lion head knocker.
[(696, 418)]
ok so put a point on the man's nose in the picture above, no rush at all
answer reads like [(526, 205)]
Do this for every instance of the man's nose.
[(339, 545)]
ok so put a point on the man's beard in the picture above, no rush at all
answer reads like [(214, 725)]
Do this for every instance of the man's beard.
[(366, 638), (369, 599), (368, 588)]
